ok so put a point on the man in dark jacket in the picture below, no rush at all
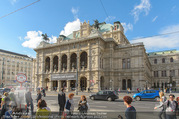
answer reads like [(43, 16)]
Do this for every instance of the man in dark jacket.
[(29, 101), (39, 95), (61, 101)]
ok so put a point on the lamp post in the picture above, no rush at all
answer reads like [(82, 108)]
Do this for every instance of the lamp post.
[(170, 82), (77, 75), (2, 72), (111, 83), (146, 85)]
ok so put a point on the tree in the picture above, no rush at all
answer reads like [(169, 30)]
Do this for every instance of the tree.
[(45, 37)]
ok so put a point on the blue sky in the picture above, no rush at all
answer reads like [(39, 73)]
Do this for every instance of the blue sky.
[(21, 31)]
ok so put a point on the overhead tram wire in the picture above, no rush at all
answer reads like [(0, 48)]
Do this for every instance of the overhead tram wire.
[(104, 9), (19, 9), (156, 35)]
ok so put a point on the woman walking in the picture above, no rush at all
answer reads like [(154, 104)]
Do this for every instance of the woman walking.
[(83, 106), (130, 112), (162, 100), (70, 105)]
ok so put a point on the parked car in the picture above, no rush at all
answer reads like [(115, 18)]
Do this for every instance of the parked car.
[(147, 94), (104, 95)]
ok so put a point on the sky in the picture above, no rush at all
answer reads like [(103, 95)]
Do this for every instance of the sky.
[(21, 31)]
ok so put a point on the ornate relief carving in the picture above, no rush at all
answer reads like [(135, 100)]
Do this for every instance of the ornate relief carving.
[(93, 62), (93, 52)]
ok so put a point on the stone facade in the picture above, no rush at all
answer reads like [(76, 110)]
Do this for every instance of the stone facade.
[(165, 66), (97, 58), (10, 65)]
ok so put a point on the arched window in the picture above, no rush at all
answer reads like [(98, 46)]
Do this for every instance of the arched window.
[(171, 59), (123, 84), (83, 60), (163, 60), (55, 63), (64, 62), (73, 61), (155, 61), (47, 64)]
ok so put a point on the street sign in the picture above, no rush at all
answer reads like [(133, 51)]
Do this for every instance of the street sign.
[(21, 78)]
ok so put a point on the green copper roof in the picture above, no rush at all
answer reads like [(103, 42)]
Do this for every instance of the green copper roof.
[(162, 52), (103, 28)]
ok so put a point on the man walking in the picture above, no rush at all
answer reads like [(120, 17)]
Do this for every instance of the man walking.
[(12, 97), (39, 95), (29, 101), (61, 101)]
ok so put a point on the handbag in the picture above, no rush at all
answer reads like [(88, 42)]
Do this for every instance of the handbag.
[(68, 105)]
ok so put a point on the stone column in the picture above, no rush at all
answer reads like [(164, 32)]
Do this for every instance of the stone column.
[(59, 85), (59, 62), (68, 62), (89, 55), (51, 86), (68, 86), (51, 64)]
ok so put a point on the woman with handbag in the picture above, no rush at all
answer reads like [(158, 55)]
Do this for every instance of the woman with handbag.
[(83, 107), (69, 106)]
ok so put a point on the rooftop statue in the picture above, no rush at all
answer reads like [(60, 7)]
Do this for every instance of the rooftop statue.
[(45, 37), (96, 24)]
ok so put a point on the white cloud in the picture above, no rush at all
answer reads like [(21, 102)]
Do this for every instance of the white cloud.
[(154, 18), (13, 1), (169, 41), (33, 39), (144, 6), (75, 12), (127, 27), (70, 27), (110, 18)]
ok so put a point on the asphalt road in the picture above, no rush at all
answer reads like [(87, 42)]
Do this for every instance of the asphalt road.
[(109, 110)]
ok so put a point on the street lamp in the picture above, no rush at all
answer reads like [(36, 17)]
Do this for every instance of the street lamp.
[(111, 83), (2, 72), (170, 81), (146, 85)]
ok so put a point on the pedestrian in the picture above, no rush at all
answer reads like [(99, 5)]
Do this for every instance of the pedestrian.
[(39, 95), (10, 110), (29, 101), (171, 107), (130, 112), (120, 117), (162, 100), (0, 100), (12, 97), (69, 106), (89, 90), (83, 106), (43, 112), (43, 92), (61, 101), (175, 90), (5, 103), (138, 90)]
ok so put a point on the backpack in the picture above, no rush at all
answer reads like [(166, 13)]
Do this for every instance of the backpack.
[(176, 108), (68, 105)]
